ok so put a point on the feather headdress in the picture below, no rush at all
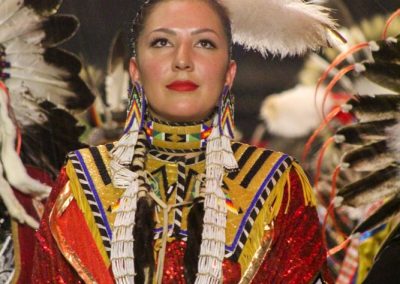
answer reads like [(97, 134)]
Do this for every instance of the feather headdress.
[(39, 84), (281, 27)]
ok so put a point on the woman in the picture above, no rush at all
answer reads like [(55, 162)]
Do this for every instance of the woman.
[(173, 201)]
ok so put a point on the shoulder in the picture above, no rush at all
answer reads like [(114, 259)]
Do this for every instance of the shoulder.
[(264, 170), (255, 163), (94, 152), (91, 161)]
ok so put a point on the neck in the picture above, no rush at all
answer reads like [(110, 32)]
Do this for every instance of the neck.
[(181, 138)]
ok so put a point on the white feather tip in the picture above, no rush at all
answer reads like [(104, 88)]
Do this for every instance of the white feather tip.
[(281, 27)]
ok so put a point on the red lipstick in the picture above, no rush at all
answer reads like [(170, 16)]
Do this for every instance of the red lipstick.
[(182, 86)]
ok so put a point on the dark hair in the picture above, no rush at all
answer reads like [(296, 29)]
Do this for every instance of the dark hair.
[(148, 6)]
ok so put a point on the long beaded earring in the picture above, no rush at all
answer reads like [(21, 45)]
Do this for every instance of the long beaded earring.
[(226, 127), (124, 149)]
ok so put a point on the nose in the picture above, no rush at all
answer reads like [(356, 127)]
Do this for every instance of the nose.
[(183, 58)]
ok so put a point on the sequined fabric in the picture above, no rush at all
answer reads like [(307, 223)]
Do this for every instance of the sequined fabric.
[(23, 235), (49, 265), (174, 270), (297, 253), (173, 265)]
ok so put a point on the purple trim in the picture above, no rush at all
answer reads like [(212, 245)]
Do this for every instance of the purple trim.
[(131, 121), (253, 203), (144, 105), (96, 196), (230, 131)]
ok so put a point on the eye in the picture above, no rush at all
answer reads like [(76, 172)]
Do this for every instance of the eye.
[(160, 42), (206, 43)]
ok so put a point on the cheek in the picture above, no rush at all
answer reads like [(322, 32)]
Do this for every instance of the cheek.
[(152, 72), (214, 71)]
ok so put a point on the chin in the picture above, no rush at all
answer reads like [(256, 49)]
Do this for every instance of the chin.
[(184, 115)]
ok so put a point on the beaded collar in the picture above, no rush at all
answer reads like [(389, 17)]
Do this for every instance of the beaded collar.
[(177, 137)]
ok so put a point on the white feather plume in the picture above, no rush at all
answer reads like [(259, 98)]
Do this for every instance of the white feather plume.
[(8, 8), (26, 109), (117, 84), (280, 27), (15, 209), (292, 113), (13, 167), (24, 21), (35, 63), (20, 46), (58, 92), (117, 80)]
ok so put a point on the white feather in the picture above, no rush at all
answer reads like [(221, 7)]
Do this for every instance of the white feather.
[(8, 8), (13, 167), (22, 22), (363, 86), (284, 27), (40, 91), (117, 84), (26, 109), (292, 113), (35, 63), (34, 76), (19, 46), (14, 208), (34, 37)]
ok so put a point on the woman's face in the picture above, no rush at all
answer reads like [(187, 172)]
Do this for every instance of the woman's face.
[(182, 60)]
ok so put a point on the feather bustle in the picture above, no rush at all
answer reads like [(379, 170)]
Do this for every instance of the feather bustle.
[(380, 216)]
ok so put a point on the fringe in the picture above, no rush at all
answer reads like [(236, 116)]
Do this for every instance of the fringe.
[(275, 198), (122, 247), (271, 209), (134, 183), (122, 254), (125, 147), (229, 160), (309, 197), (212, 249)]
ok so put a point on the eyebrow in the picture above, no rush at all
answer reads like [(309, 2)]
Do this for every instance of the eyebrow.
[(195, 32)]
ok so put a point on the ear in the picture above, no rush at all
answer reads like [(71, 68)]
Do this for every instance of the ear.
[(134, 70), (231, 73)]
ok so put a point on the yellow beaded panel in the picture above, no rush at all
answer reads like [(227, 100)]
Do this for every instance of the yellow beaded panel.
[(255, 165), (108, 195)]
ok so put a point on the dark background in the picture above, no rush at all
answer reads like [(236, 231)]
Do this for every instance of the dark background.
[(257, 77)]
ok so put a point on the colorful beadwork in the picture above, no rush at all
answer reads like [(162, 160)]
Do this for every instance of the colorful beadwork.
[(137, 108), (226, 113), (178, 137)]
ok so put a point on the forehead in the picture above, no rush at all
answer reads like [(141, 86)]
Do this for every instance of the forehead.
[(183, 14)]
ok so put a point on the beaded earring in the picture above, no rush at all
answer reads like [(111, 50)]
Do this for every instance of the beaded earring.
[(124, 149), (226, 113)]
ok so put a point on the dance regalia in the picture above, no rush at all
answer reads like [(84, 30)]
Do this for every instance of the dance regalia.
[(272, 233)]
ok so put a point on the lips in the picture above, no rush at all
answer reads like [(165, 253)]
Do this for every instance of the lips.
[(182, 86)]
